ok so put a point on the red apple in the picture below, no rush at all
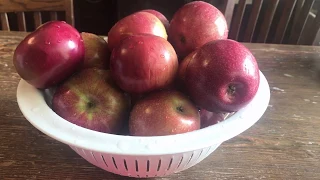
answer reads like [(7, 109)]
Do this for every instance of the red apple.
[(210, 118), (143, 63), (160, 16), (136, 23), (97, 53), (195, 24), (163, 113), (222, 75), (49, 55), (92, 100)]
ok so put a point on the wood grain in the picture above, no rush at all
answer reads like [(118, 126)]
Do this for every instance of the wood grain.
[(227, 8), (267, 20), (254, 15), (21, 21), (37, 19), (300, 22), (236, 22), (4, 21), (314, 30), (53, 16), (283, 144), (31, 5), (284, 21), (36, 7)]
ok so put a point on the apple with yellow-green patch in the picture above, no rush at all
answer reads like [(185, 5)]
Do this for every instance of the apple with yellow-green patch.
[(92, 100)]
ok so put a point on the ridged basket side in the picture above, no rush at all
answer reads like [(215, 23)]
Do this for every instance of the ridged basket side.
[(145, 166)]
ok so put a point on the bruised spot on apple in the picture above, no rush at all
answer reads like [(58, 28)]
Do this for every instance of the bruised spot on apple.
[(222, 75), (92, 100), (164, 112)]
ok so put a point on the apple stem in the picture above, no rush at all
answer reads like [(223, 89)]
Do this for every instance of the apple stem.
[(180, 108), (231, 89), (90, 105), (182, 39)]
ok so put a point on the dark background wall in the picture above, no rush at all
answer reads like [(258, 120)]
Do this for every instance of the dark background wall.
[(98, 16)]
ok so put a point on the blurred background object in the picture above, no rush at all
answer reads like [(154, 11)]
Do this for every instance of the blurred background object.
[(259, 21)]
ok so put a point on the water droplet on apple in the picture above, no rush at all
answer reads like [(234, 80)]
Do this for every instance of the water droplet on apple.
[(140, 42), (57, 26), (59, 41), (151, 48), (48, 42), (162, 56)]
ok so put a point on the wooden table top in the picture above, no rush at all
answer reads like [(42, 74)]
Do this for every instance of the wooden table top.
[(283, 144)]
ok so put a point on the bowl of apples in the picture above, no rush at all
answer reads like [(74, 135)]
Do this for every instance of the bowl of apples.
[(151, 99)]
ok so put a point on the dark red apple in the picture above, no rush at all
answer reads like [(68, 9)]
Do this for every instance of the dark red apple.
[(222, 75), (163, 113), (182, 71), (97, 53), (136, 23), (143, 63), (210, 118), (160, 16), (49, 55), (91, 99), (195, 24)]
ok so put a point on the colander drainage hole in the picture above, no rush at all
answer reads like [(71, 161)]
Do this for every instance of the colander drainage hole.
[(114, 162), (200, 153), (190, 159), (125, 164), (148, 166), (180, 162), (137, 168), (159, 165), (84, 152), (170, 164), (94, 157), (104, 161)]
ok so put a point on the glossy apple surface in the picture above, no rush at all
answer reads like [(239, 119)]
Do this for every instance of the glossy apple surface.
[(97, 53), (143, 63), (222, 75), (163, 113), (91, 99), (136, 23), (195, 24), (49, 55), (160, 16)]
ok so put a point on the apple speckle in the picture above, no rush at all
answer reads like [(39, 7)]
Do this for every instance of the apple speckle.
[(182, 39)]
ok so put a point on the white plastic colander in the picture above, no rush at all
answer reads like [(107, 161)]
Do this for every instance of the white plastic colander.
[(139, 156)]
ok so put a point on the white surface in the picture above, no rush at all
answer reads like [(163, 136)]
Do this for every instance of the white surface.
[(34, 108), (109, 151)]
